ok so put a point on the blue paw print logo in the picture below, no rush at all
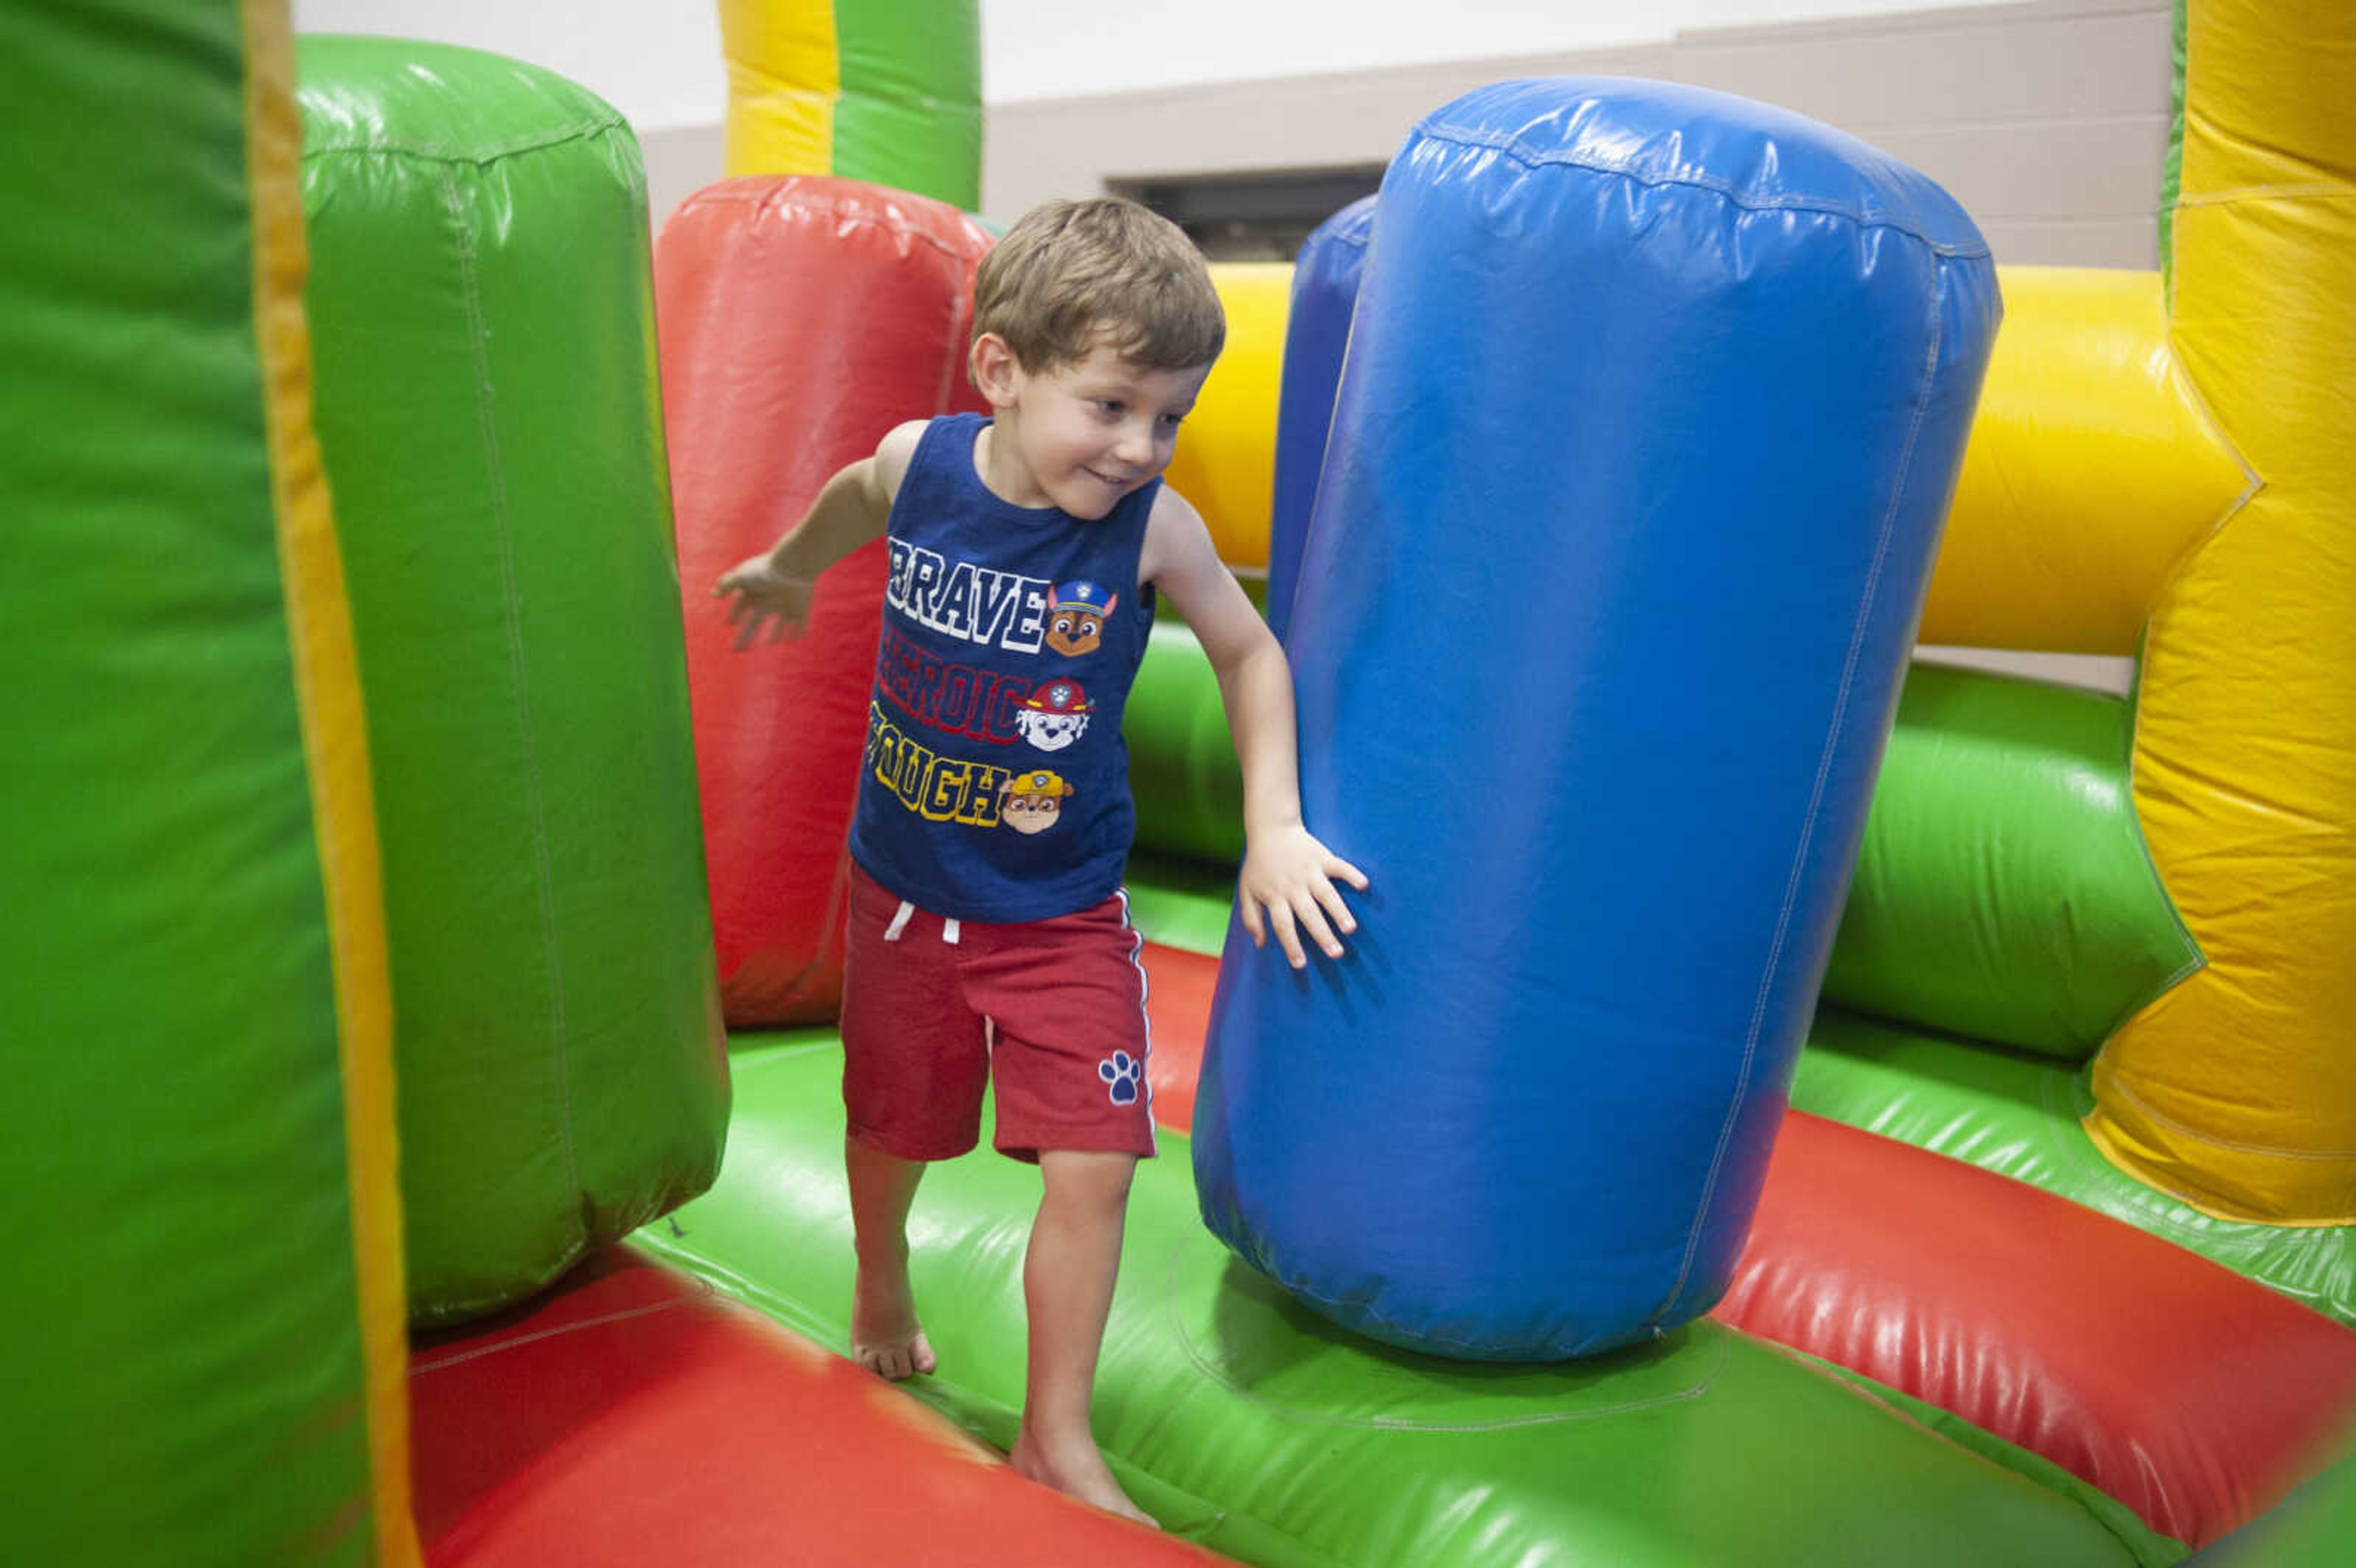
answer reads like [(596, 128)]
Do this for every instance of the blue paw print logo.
[(1120, 1073)]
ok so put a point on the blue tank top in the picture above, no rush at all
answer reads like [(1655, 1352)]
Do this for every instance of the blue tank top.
[(994, 786)]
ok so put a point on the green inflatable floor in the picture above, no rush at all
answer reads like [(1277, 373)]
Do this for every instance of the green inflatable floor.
[(1263, 1432)]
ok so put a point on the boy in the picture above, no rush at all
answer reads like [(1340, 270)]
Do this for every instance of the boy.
[(988, 935)]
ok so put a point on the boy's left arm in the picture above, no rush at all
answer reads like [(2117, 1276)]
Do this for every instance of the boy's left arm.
[(1287, 882)]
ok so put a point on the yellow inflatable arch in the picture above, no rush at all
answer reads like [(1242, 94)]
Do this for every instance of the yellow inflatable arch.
[(2163, 466)]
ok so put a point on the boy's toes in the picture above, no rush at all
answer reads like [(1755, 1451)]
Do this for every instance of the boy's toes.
[(896, 1364)]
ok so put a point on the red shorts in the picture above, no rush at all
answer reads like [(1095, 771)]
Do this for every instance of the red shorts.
[(1053, 1010)]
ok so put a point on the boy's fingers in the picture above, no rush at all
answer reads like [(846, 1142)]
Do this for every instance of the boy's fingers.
[(1331, 897), (1252, 927), (1312, 922), (1337, 867), (1280, 915)]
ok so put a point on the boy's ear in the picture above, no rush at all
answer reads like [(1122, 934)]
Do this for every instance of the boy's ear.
[(992, 365)]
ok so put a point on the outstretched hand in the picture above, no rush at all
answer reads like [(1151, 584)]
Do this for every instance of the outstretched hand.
[(1287, 886), (763, 596)]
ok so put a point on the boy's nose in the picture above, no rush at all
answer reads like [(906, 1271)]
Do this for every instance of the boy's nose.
[(1135, 445)]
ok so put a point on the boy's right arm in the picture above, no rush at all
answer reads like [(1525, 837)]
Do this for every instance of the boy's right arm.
[(850, 509)]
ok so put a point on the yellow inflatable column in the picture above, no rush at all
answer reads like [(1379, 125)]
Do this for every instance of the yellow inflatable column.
[(335, 750), (1227, 458), (2092, 471), (2237, 1090), (784, 79), (884, 91)]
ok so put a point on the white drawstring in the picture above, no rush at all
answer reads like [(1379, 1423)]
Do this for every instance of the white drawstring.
[(901, 916)]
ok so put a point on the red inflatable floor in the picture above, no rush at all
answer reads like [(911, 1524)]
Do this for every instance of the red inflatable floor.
[(631, 1417)]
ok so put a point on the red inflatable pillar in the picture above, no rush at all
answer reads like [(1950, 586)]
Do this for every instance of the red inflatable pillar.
[(800, 318)]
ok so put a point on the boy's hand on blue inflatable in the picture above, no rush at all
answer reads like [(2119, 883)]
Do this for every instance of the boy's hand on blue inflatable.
[(1287, 886)]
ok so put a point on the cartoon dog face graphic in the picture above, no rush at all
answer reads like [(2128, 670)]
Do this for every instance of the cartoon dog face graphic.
[(1030, 801), (1076, 614), (1054, 716)]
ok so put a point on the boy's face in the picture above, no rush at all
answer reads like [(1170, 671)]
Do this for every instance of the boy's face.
[(1082, 435)]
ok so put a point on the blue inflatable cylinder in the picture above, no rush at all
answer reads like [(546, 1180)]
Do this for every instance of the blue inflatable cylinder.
[(1324, 292), (1653, 409)]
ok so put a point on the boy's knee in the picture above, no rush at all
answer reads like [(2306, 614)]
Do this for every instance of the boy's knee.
[(1088, 1178)]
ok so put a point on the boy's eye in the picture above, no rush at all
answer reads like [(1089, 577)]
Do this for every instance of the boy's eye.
[(1170, 422), (1113, 407)]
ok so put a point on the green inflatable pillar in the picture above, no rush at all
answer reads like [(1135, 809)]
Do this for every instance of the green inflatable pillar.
[(481, 303)]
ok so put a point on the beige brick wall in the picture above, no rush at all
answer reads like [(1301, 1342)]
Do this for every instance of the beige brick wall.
[(2048, 119)]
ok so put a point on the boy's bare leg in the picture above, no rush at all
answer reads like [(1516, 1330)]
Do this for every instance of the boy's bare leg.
[(1067, 1280), (884, 1335)]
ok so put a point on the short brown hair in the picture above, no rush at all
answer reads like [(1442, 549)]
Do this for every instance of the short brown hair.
[(1072, 274)]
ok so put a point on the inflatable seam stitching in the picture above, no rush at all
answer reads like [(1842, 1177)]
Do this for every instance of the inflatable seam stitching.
[(703, 1291), (2325, 190), (2119, 1087), (2240, 1236), (956, 350), (1748, 202), (544, 875), (2163, 594), (768, 192), (1210, 1370), (443, 153), (428, 1310), (1775, 952), (331, 723)]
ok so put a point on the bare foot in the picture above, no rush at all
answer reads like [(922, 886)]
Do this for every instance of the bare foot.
[(1076, 1471), (885, 1338)]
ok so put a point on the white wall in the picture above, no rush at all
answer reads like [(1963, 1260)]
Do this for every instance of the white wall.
[(1071, 49), (658, 61)]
